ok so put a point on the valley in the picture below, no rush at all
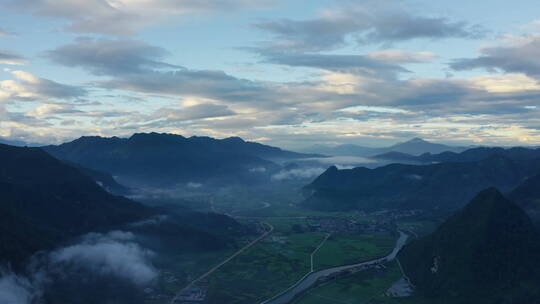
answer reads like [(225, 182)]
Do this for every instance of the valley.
[(292, 243), (378, 235)]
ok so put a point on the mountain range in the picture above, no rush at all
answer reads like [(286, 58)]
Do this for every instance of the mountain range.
[(46, 202), (488, 252), (443, 186), (415, 146), (470, 155), (168, 159)]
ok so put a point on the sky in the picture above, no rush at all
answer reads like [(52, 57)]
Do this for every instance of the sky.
[(286, 73)]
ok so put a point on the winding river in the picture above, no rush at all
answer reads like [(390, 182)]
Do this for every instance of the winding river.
[(311, 278)]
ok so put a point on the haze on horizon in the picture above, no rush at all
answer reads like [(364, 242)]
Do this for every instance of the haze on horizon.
[(285, 73)]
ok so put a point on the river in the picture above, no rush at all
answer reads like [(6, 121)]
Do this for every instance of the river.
[(311, 278)]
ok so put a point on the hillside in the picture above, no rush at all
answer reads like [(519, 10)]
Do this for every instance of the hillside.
[(430, 187), (527, 196), (44, 201), (486, 253), (167, 159)]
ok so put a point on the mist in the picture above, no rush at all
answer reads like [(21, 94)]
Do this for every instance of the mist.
[(99, 268), (297, 173)]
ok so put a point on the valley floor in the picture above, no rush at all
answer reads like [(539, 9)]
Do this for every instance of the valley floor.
[(301, 241)]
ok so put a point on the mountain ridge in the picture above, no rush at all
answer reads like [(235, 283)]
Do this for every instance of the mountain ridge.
[(426, 187), (168, 159), (485, 253)]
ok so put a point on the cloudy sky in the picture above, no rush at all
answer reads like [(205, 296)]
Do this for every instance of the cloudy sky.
[(289, 73)]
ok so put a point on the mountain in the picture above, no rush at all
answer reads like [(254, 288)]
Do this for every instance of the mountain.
[(486, 253), (44, 201), (168, 159), (18, 143), (527, 196), (415, 146), (470, 155), (444, 186)]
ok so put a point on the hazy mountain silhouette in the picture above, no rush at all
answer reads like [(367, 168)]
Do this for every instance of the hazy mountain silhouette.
[(474, 154), (415, 146), (160, 159)]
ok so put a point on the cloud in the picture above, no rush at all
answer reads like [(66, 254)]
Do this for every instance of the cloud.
[(257, 170), (367, 22), (15, 289), (194, 185), (111, 263), (215, 85), (201, 111), (124, 17), (110, 254), (26, 86), (5, 33), (11, 58), (110, 56), (401, 56), (337, 63), (516, 55), (136, 66), (343, 160), (53, 109), (303, 173)]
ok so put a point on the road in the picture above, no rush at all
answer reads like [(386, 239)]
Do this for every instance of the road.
[(317, 249), (209, 272)]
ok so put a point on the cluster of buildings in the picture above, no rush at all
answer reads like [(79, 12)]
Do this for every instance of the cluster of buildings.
[(347, 225)]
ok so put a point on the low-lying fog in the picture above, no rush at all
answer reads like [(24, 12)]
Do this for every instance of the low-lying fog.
[(99, 268)]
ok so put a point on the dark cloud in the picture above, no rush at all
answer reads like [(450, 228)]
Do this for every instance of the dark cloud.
[(367, 22), (110, 57), (12, 58), (520, 58), (205, 83), (338, 63), (126, 17), (200, 111), (29, 87), (134, 65)]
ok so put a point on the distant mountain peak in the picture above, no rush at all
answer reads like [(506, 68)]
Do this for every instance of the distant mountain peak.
[(417, 140), (234, 139)]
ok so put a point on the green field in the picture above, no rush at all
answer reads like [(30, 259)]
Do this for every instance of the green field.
[(264, 270), (367, 286), (346, 248)]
